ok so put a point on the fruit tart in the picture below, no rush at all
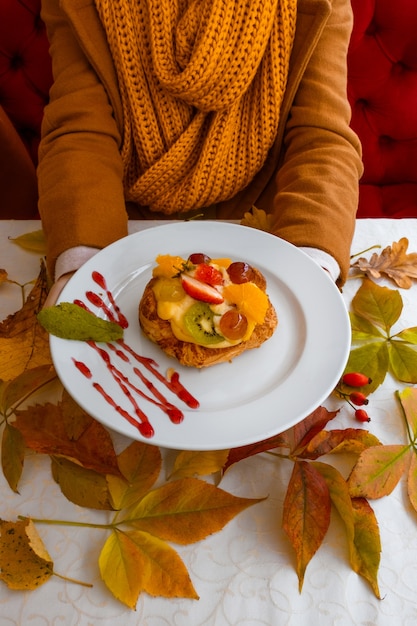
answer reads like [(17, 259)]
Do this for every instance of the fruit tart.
[(205, 311)]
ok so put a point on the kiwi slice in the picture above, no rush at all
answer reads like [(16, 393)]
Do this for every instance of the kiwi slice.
[(198, 321)]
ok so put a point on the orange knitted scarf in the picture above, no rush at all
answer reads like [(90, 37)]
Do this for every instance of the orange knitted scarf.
[(201, 83)]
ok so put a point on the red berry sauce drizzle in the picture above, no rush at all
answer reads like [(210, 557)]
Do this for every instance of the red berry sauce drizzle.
[(125, 353)]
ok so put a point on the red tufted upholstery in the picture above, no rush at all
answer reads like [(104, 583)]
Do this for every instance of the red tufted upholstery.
[(25, 68), (382, 90)]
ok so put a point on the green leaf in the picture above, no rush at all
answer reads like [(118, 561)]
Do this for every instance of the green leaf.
[(379, 305), (339, 495), (409, 335), (34, 241), (371, 359), (365, 552), (363, 329), (70, 321), (403, 361)]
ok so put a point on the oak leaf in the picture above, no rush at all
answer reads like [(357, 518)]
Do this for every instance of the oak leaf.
[(24, 343), (20, 543), (258, 218), (393, 262)]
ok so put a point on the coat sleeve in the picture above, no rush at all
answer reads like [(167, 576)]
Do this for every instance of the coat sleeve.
[(314, 192), (81, 200)]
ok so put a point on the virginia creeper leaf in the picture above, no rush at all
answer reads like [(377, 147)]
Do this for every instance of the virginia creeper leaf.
[(20, 543), (378, 470), (24, 384), (365, 552), (306, 514), (379, 305), (70, 321), (134, 562), (412, 480), (24, 343), (140, 466), (44, 431), (205, 463), (408, 401), (12, 455), (243, 452), (339, 495), (34, 241), (82, 486), (348, 440), (403, 361), (186, 510)]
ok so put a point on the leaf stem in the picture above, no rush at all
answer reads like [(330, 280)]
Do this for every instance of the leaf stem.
[(51, 522), (352, 256), (73, 580)]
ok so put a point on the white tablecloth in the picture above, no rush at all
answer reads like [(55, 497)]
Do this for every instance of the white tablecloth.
[(245, 574)]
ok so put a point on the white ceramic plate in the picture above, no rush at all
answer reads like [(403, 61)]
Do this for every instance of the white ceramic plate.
[(263, 391)]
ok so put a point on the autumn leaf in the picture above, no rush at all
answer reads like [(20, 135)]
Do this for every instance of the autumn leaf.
[(365, 552), (412, 480), (339, 495), (3, 276), (306, 514), (348, 440), (194, 463), (134, 562), (34, 241), (24, 343), (84, 487), (378, 470), (20, 543), (243, 452), (185, 510), (24, 385), (257, 218), (45, 432), (140, 466), (381, 306), (393, 262), (408, 403), (12, 455)]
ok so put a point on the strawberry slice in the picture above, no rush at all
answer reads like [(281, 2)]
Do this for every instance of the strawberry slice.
[(201, 291), (208, 274)]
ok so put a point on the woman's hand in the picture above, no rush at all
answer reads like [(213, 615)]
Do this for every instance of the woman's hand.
[(56, 289)]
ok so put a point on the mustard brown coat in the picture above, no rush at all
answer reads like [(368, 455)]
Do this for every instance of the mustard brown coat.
[(310, 179)]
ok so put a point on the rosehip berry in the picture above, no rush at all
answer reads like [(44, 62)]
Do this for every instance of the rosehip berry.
[(362, 416), (358, 398), (356, 379)]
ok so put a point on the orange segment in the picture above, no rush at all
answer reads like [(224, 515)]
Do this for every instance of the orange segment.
[(249, 299), (168, 265), (222, 262)]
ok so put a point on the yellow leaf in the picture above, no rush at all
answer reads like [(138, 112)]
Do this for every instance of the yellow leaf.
[(82, 486), (205, 463), (23, 341), (339, 494), (378, 471), (20, 543), (379, 305), (140, 466), (186, 510), (257, 218), (403, 361), (412, 481), (365, 552), (134, 562), (3, 276), (34, 241), (25, 384), (408, 400)]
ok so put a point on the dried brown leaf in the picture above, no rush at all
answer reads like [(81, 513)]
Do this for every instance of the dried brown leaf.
[(393, 262)]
